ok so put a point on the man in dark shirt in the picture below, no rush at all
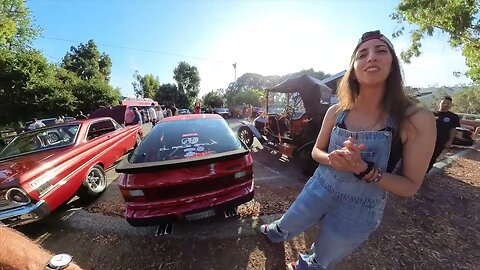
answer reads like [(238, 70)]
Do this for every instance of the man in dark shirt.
[(137, 117), (447, 121)]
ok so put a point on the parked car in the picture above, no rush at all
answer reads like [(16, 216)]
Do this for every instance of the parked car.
[(224, 112), (463, 136), (206, 109), (123, 114), (188, 167), (44, 168), (6, 136), (183, 111), (471, 121), (48, 122)]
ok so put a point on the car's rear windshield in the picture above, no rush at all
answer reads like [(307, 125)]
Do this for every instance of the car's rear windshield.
[(39, 140), (183, 139)]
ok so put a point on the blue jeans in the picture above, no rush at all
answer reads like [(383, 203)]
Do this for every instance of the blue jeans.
[(344, 225), (348, 209)]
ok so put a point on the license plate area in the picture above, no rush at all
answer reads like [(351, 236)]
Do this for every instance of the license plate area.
[(200, 215)]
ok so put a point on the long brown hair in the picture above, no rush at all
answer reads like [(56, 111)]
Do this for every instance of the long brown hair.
[(395, 100)]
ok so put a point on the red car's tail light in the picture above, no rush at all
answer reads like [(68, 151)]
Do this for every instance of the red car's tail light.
[(243, 175), (248, 159), (133, 195), (239, 175)]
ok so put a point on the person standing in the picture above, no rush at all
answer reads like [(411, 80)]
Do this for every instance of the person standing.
[(197, 108), (174, 110), (152, 115), (159, 112), (36, 124), (363, 137), (137, 117), (81, 116), (447, 122)]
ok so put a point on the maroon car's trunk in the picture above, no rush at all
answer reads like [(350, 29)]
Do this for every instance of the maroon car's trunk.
[(196, 180)]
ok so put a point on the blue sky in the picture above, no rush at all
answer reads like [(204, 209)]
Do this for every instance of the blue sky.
[(265, 37)]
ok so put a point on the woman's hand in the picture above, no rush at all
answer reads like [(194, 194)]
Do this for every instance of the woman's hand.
[(348, 158), (340, 160)]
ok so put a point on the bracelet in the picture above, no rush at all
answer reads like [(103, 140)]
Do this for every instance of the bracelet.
[(367, 170), (378, 177), (369, 177)]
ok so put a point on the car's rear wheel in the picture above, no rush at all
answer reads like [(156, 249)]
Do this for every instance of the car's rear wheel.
[(95, 182), (246, 135)]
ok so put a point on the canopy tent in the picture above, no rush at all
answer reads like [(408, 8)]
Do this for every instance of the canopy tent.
[(333, 80), (315, 94)]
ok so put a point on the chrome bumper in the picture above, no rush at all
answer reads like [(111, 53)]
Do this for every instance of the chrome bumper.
[(24, 214)]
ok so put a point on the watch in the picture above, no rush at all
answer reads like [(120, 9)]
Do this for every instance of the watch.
[(59, 261)]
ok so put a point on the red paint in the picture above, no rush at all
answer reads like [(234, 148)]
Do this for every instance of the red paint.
[(172, 192), (67, 167)]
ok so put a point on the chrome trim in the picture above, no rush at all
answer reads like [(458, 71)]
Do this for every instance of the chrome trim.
[(38, 211), (15, 202)]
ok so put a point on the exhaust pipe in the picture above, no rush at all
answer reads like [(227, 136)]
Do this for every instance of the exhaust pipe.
[(164, 229), (231, 213)]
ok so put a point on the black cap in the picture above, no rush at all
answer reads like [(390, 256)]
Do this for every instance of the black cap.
[(374, 35)]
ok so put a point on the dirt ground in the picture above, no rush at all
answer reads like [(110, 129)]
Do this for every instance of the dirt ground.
[(437, 229)]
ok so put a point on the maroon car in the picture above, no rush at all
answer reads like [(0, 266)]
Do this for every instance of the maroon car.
[(188, 167), (44, 168)]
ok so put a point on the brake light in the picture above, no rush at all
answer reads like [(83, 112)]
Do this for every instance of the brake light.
[(136, 193), (239, 175), (247, 172), (248, 159), (133, 195)]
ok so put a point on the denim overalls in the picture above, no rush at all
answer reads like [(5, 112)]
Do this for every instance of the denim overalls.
[(349, 209)]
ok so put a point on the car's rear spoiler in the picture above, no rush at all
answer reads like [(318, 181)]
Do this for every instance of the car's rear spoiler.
[(126, 167)]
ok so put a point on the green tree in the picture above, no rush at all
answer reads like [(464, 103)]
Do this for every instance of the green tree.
[(86, 61), (145, 86), (457, 18), (188, 84), (213, 99), (16, 29), (166, 94), (467, 100), (249, 81), (95, 93), (30, 87), (249, 97), (56, 92)]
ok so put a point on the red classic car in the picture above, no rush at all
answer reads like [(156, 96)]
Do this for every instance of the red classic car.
[(44, 168), (188, 167)]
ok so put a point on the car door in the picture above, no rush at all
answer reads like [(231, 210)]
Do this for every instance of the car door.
[(103, 137)]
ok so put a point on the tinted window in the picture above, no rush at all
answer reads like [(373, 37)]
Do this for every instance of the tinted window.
[(100, 128), (185, 139), (41, 139)]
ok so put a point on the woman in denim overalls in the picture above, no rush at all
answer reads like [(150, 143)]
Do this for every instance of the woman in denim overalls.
[(374, 126)]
